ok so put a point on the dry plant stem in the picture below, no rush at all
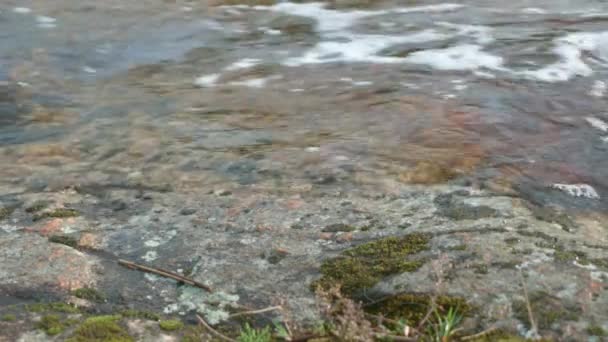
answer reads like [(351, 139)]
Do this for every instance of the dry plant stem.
[(164, 273), (530, 313), (480, 334), (213, 331), (255, 312), (432, 308), (397, 338), (306, 338)]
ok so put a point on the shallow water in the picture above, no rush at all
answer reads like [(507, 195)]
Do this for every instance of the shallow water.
[(193, 96)]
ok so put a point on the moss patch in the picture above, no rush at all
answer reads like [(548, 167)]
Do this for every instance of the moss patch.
[(569, 256), (6, 213), (546, 308), (64, 240), (171, 325), (89, 294), (8, 318), (338, 227), (36, 207), (100, 328), (52, 307), (414, 307), (363, 266), (51, 324), (596, 330), (551, 215), (57, 213), (151, 316)]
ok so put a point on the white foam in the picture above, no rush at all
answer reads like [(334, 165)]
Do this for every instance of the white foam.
[(460, 57), (89, 70), (597, 123), (598, 89), (570, 51), (252, 83), (243, 64), (207, 80), (46, 22), (481, 34), (22, 10), (533, 10), (578, 190), (356, 83), (360, 48)]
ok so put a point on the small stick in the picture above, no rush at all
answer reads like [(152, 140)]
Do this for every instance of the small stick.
[(397, 338), (164, 273), (530, 313), (255, 312), (213, 331), (432, 307), (483, 333)]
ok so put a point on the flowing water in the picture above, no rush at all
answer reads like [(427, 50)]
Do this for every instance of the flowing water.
[(196, 135), (512, 91)]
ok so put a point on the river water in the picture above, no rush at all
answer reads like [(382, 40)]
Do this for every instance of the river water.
[(506, 95)]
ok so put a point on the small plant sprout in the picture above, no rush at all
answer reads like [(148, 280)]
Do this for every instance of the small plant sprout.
[(249, 334), (445, 326)]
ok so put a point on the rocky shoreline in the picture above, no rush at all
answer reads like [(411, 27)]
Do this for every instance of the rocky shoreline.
[(254, 248)]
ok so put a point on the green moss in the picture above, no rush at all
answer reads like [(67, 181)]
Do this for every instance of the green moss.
[(36, 207), (363, 266), (51, 324), (100, 328), (511, 241), (546, 309), (551, 215), (52, 307), (140, 315), (89, 294), (64, 240), (171, 325), (570, 256), (338, 227), (8, 318), (6, 213), (192, 333), (57, 213), (461, 247), (480, 268), (413, 307), (596, 330), (463, 211)]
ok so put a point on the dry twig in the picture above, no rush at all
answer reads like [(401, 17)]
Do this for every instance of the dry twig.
[(213, 331), (164, 273), (530, 313), (255, 312), (480, 334)]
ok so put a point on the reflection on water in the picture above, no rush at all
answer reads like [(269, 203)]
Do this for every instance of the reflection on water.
[(299, 93)]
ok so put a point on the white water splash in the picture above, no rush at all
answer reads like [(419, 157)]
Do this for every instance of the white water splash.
[(46, 22), (207, 81), (243, 64), (597, 123), (461, 57), (598, 89), (570, 51), (578, 190), (22, 10)]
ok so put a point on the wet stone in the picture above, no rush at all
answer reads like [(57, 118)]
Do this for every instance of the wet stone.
[(187, 211)]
